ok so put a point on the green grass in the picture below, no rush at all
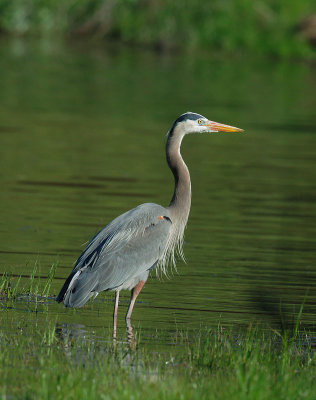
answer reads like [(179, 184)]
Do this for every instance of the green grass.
[(213, 365), (257, 26), (13, 287), (43, 359)]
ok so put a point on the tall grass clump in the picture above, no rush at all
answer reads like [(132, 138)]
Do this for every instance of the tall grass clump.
[(257, 26), (12, 287), (259, 364)]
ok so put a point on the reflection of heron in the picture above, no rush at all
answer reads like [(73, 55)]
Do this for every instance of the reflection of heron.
[(121, 255)]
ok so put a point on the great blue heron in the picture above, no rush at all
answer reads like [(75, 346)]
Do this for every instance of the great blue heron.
[(121, 255)]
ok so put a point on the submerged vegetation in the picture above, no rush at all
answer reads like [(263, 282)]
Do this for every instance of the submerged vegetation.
[(56, 360), (257, 26)]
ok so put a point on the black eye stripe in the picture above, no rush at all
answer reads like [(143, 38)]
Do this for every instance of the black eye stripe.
[(184, 117)]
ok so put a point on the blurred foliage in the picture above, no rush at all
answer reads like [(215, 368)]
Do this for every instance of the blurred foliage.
[(260, 26)]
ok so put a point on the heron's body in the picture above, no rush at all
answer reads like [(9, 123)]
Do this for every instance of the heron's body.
[(122, 254)]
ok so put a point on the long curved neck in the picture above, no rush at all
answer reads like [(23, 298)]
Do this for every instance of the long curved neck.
[(181, 200)]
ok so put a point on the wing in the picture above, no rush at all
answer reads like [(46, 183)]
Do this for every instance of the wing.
[(127, 247)]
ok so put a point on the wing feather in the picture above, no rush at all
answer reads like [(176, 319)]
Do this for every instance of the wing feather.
[(127, 247)]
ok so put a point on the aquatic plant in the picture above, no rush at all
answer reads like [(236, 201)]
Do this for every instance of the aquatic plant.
[(45, 358), (13, 286), (213, 364)]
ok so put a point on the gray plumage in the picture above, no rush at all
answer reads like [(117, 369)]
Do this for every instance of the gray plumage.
[(121, 255)]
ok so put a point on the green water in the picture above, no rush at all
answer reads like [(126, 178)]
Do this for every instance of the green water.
[(81, 130)]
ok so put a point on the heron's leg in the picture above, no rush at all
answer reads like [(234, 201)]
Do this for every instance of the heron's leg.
[(117, 295), (134, 294), (130, 334)]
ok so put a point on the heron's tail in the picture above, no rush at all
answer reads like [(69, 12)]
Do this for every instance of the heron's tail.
[(77, 289), (64, 289)]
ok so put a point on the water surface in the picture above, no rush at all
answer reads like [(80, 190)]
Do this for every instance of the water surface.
[(82, 131)]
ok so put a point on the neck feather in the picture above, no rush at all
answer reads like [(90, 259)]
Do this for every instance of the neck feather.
[(181, 200), (180, 203)]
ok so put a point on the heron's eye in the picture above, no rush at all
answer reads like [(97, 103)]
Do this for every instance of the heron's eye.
[(200, 121)]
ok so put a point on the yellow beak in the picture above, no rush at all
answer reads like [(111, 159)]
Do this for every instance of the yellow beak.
[(217, 127)]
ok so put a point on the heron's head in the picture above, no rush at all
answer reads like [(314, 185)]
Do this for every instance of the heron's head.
[(195, 123)]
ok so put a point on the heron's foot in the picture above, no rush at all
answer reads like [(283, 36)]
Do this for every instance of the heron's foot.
[(130, 335)]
